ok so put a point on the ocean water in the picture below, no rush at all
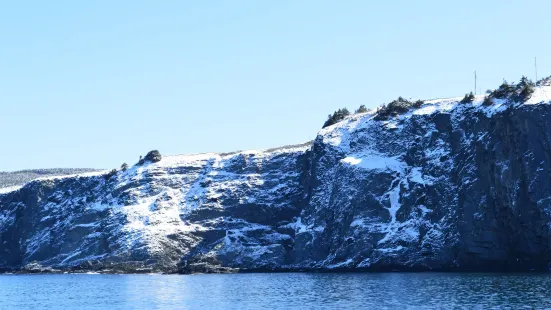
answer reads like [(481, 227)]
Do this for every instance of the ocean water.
[(277, 291)]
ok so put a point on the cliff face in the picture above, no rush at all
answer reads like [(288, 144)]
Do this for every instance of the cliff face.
[(448, 186)]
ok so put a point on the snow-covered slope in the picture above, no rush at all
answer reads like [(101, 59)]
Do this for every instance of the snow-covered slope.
[(152, 216), (447, 186), (15, 179)]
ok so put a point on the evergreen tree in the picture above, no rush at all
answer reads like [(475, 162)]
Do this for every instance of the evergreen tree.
[(468, 98), (337, 116), (110, 174), (361, 109), (397, 107), (504, 91), (417, 104), (524, 89), (488, 101), (153, 156)]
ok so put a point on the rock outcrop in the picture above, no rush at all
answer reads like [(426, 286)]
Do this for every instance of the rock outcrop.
[(448, 186)]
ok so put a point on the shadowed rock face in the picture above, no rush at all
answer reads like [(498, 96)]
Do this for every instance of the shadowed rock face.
[(445, 187)]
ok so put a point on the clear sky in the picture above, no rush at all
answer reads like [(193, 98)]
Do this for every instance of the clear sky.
[(98, 83)]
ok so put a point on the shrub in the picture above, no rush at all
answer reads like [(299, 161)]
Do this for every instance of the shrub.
[(524, 89), (417, 104), (468, 98), (397, 107), (361, 109), (337, 116), (488, 101), (124, 167), (110, 174), (504, 91), (519, 92), (153, 156), (544, 82)]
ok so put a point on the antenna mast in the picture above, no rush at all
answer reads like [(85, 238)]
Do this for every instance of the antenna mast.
[(475, 82), (536, 67)]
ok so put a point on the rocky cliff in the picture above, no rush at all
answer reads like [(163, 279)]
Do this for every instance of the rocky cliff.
[(447, 186)]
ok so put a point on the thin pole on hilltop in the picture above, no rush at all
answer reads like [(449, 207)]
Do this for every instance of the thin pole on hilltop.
[(536, 67), (475, 82)]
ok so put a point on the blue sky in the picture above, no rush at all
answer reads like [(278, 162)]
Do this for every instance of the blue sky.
[(98, 83)]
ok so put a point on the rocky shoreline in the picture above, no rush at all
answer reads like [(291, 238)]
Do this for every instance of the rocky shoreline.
[(447, 186)]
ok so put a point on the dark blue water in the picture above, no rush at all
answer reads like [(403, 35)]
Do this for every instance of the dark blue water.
[(277, 291)]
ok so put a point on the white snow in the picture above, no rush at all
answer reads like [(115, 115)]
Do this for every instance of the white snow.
[(416, 175), (390, 250), (5, 220), (392, 227), (374, 162), (298, 226), (84, 174), (542, 94), (220, 158), (6, 190), (341, 264)]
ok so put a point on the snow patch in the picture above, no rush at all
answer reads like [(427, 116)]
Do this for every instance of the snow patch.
[(374, 162), (5, 190)]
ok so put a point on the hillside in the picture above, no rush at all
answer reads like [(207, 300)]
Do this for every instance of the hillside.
[(12, 180), (446, 184)]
